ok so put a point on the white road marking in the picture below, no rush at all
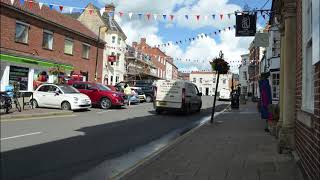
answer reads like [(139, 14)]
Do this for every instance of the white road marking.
[(34, 118), (12, 137)]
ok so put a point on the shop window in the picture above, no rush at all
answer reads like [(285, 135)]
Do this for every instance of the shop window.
[(68, 46), (85, 51), (19, 74), (194, 80), (117, 79), (224, 81), (214, 80), (275, 86), (22, 32), (200, 80), (47, 40), (111, 79), (113, 39)]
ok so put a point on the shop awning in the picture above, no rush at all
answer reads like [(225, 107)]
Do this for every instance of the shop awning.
[(34, 61)]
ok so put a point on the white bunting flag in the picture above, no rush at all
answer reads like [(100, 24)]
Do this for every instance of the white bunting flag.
[(70, 9), (102, 11), (205, 17), (12, 1), (40, 5), (155, 16), (130, 15)]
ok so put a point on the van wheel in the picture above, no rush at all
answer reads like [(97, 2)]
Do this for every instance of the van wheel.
[(159, 111)]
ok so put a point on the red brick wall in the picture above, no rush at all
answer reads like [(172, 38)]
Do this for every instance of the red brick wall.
[(307, 138), (34, 46)]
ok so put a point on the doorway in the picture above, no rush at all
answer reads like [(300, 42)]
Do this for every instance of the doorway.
[(207, 91)]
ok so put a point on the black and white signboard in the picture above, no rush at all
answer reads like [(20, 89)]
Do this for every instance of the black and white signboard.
[(246, 25)]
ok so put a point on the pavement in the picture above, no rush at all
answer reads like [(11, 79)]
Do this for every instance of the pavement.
[(62, 147), (235, 149)]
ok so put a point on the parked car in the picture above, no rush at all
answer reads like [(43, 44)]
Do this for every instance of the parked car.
[(140, 93), (60, 96), (100, 94), (145, 85), (225, 94), (134, 99), (177, 95)]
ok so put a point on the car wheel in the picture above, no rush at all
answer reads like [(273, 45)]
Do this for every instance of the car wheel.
[(105, 103), (66, 106), (34, 103), (148, 99)]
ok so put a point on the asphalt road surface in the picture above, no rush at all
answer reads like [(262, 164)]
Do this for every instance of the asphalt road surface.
[(64, 146)]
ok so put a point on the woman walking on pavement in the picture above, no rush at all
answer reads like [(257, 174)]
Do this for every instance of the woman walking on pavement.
[(128, 93)]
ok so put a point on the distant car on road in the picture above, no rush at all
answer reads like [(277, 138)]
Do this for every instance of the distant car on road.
[(100, 94), (140, 93), (177, 95), (225, 94), (60, 96), (145, 85)]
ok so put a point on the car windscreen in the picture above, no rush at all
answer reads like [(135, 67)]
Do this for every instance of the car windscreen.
[(68, 89), (103, 87)]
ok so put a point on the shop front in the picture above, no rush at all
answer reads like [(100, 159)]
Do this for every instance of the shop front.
[(30, 72)]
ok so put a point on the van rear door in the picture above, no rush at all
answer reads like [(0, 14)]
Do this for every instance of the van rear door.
[(169, 93)]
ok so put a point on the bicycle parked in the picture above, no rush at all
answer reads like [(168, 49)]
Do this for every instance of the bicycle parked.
[(12, 92)]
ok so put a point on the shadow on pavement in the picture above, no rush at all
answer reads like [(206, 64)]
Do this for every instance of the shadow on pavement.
[(65, 158)]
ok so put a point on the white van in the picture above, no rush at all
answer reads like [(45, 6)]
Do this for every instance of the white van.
[(225, 94), (176, 95)]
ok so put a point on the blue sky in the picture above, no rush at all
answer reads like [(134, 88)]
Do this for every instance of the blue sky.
[(163, 31)]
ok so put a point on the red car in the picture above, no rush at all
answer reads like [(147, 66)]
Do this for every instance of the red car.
[(100, 94)]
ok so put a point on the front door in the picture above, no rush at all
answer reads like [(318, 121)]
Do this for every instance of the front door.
[(207, 91)]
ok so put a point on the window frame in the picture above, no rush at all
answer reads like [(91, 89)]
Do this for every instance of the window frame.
[(89, 47), (64, 49), (113, 39), (48, 32), (27, 34)]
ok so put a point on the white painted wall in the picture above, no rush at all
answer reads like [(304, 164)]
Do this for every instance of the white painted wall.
[(169, 68)]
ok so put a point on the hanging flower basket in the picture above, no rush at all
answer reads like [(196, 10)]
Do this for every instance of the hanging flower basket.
[(58, 70), (220, 65)]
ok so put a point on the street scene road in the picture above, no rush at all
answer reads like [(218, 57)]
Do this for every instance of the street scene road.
[(62, 147)]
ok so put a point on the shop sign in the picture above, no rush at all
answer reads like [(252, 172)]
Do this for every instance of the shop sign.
[(112, 58), (246, 25), (19, 74)]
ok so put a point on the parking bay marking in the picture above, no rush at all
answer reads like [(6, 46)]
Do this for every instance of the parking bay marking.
[(22, 135), (34, 118)]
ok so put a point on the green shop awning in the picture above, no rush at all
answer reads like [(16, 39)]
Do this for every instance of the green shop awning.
[(29, 60)]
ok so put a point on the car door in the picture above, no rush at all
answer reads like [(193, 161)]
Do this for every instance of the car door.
[(93, 92), (196, 99), (54, 99), (41, 95)]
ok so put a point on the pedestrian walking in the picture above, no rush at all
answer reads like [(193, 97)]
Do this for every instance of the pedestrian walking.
[(265, 101), (128, 93)]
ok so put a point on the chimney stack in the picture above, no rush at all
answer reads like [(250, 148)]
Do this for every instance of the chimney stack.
[(143, 41), (110, 8)]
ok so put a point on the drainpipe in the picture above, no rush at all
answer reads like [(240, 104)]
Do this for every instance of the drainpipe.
[(97, 55)]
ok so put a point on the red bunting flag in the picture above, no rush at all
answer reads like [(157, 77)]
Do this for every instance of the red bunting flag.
[(229, 28), (121, 14), (61, 7), (221, 16), (148, 16), (30, 4), (198, 17), (90, 11), (171, 17)]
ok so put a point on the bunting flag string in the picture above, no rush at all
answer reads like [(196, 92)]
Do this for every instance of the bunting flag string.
[(198, 17)]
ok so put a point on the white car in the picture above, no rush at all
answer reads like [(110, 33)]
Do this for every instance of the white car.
[(225, 94), (60, 96)]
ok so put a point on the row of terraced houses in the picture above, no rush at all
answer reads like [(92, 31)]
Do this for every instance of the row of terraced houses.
[(39, 44)]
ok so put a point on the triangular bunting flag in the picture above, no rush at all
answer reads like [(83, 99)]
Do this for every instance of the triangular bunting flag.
[(215, 32), (171, 17), (186, 16), (120, 14), (229, 15), (21, 2), (264, 16), (70, 10), (51, 6), (40, 5), (219, 31), (213, 16), (229, 28), (164, 16), (234, 26), (221, 16), (61, 7), (148, 16), (155, 16), (102, 11), (140, 15), (30, 4), (130, 15), (91, 11), (12, 1), (198, 17)]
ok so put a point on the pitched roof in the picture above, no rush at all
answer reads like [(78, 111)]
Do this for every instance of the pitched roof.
[(52, 16), (112, 24)]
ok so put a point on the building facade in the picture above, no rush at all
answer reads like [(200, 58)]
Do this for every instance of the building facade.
[(105, 26), (35, 43), (299, 123), (244, 75), (183, 76), (206, 81)]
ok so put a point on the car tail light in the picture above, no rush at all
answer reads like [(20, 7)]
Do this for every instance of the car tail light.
[(183, 95)]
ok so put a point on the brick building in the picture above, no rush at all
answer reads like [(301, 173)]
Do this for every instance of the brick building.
[(33, 40), (158, 57), (299, 123)]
